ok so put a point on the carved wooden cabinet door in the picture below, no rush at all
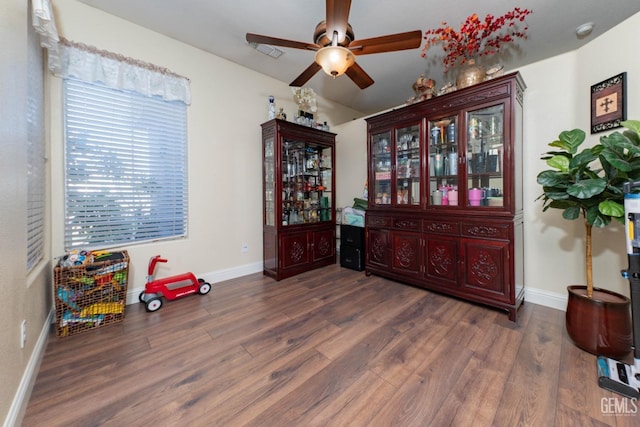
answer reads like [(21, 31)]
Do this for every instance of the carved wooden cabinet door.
[(486, 268), (378, 247), (323, 244), (441, 260), (406, 252), (295, 249)]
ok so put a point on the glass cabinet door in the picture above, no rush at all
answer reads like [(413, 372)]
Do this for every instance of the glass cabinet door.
[(269, 183), (381, 159), (306, 182), (408, 166), (485, 178), (443, 161)]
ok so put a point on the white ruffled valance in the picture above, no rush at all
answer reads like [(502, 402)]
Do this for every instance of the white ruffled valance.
[(68, 59), (119, 72)]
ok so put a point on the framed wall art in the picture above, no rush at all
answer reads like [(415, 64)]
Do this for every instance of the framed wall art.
[(608, 103)]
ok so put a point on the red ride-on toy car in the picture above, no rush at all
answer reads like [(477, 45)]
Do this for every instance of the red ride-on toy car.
[(170, 287)]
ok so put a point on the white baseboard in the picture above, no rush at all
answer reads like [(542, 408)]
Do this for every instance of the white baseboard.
[(21, 398), (546, 298), (212, 277)]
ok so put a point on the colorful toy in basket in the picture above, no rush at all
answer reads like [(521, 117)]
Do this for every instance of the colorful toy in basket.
[(170, 287), (76, 257)]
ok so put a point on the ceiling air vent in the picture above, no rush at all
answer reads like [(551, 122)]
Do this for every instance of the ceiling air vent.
[(267, 50)]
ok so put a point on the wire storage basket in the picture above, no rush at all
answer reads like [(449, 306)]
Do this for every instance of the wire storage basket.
[(91, 295)]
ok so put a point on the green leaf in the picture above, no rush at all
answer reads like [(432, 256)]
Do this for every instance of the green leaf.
[(587, 188), (619, 150), (611, 208), (571, 213), (564, 204), (582, 159), (559, 162), (550, 178), (595, 218), (570, 140), (633, 125), (556, 193)]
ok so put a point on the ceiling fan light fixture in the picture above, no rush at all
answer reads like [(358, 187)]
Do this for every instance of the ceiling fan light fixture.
[(334, 60)]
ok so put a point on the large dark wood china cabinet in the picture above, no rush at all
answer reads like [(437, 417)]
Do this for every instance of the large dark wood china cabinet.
[(299, 231), (445, 194)]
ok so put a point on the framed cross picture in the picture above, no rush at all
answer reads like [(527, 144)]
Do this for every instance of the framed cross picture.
[(608, 103)]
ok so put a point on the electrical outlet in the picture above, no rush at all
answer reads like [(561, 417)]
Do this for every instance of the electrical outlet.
[(245, 248), (23, 333)]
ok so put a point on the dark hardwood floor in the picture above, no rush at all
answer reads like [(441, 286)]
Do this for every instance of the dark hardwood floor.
[(330, 347)]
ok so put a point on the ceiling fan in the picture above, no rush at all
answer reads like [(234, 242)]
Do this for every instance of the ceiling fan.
[(335, 46)]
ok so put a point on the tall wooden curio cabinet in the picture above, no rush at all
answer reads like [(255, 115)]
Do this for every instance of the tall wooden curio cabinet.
[(299, 231), (445, 194)]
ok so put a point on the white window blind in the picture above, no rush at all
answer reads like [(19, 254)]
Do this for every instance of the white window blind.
[(125, 166), (36, 194)]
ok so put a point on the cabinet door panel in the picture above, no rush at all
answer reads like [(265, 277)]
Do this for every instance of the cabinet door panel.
[(406, 252), (378, 247), (295, 249), (442, 260), (323, 244), (486, 268)]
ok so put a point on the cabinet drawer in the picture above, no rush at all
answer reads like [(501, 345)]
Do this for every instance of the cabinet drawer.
[(351, 257), (406, 224), (486, 231), (352, 236), (442, 227), (378, 221)]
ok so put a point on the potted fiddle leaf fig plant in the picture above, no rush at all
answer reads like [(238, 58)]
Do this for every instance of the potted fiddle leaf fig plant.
[(587, 184)]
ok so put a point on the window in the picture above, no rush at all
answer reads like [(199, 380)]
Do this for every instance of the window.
[(125, 167)]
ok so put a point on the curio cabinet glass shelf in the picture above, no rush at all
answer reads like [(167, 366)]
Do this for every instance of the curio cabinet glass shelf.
[(299, 198)]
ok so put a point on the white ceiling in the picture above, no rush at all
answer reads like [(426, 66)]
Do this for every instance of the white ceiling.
[(219, 27)]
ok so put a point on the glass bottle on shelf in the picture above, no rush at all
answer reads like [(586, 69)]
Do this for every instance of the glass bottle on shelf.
[(269, 183), (381, 158), (443, 162), (408, 166), (484, 157), (306, 183)]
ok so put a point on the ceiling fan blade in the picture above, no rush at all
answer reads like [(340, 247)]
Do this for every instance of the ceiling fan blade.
[(258, 39), (338, 18), (359, 76), (306, 75), (390, 43)]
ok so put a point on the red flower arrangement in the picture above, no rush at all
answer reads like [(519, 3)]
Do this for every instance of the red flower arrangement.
[(476, 37)]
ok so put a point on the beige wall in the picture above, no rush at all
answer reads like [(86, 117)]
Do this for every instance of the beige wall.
[(559, 99), (229, 103), (24, 296)]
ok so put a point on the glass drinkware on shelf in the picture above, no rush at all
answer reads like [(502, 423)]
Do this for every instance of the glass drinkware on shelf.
[(453, 162), (438, 165), (453, 197), (435, 135), (436, 197), (451, 132)]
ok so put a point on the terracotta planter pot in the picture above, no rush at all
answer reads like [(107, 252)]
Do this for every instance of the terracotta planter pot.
[(601, 325)]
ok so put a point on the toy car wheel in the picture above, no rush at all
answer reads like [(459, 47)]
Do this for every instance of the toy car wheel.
[(154, 304), (141, 296), (204, 288)]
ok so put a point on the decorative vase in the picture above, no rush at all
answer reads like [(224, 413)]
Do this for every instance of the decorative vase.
[(600, 325), (470, 74)]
